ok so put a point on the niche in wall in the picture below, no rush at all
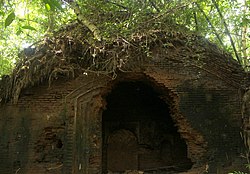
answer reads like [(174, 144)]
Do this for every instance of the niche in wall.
[(139, 133)]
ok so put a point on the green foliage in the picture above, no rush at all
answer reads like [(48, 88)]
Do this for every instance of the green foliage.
[(52, 5), (237, 172), (23, 22), (10, 18), (28, 27)]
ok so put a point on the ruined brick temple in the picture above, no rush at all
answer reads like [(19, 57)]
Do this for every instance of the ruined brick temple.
[(174, 107)]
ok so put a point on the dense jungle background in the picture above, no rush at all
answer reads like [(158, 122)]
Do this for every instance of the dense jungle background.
[(25, 23)]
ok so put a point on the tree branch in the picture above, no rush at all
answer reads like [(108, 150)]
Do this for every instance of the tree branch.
[(154, 5), (118, 5), (227, 30), (196, 22), (210, 23), (96, 32), (243, 44)]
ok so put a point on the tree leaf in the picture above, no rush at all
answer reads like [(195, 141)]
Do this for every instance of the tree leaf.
[(19, 31), (10, 18), (47, 6), (1, 13), (56, 4), (28, 27)]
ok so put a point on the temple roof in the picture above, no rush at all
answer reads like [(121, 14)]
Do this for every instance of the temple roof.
[(72, 51)]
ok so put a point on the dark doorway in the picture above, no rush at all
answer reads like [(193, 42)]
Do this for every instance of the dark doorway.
[(139, 133)]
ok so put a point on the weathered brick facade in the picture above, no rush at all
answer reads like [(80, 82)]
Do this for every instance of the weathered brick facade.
[(73, 126), (59, 129)]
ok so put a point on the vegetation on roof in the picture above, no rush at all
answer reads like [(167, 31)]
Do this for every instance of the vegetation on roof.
[(73, 37), (71, 52), (25, 22)]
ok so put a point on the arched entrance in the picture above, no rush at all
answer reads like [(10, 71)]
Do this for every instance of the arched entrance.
[(139, 133)]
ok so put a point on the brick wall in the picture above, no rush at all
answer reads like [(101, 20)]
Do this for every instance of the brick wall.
[(59, 129)]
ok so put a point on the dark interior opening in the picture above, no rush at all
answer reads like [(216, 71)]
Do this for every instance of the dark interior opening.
[(139, 133)]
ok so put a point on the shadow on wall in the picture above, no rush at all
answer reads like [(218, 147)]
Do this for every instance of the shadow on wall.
[(139, 133), (14, 140)]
